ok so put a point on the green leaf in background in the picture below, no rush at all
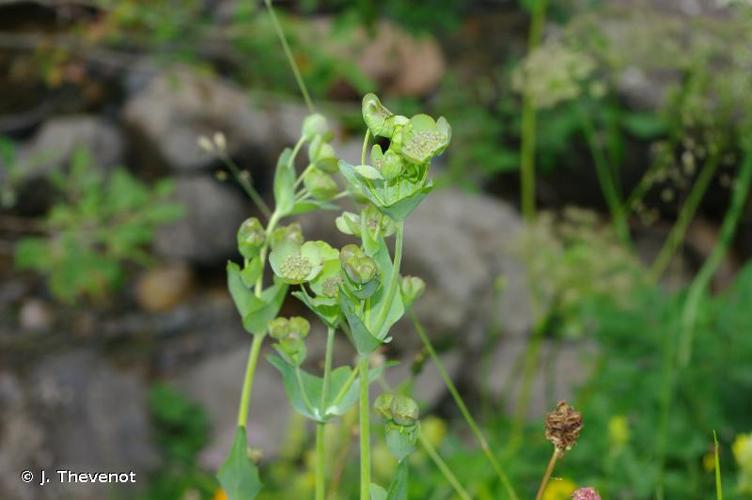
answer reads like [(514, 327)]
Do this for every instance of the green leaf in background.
[(238, 476), (398, 488), (377, 492), (284, 183)]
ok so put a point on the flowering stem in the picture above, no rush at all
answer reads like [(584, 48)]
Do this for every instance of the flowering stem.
[(250, 370), (321, 426), (686, 214), (463, 407), (547, 475), (605, 179), (365, 430), (288, 54), (246, 184), (527, 153), (443, 467)]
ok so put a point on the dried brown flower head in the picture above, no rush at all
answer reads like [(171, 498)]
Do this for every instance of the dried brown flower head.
[(563, 426)]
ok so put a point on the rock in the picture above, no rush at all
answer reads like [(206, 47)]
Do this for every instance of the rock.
[(177, 107), (206, 234), (400, 63), (161, 289), (75, 412), (35, 315), (58, 138), (216, 382)]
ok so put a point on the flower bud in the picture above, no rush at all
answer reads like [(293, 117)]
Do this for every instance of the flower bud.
[(293, 349), (220, 141), (299, 326), (313, 125), (391, 165), (412, 288), (251, 237), (383, 405), (292, 233), (320, 184), (348, 223), (563, 427), (405, 410), (205, 144), (279, 328), (327, 159)]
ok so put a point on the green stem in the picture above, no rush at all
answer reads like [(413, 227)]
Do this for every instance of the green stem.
[(443, 467), (529, 370), (676, 236), (479, 436), (717, 464), (547, 475), (321, 426), (290, 58), (527, 152), (605, 179), (250, 370), (246, 184), (365, 430), (365, 146), (697, 289), (320, 461), (393, 280)]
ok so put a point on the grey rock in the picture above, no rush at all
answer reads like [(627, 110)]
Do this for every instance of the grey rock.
[(206, 234), (216, 383), (74, 412), (56, 141), (176, 107)]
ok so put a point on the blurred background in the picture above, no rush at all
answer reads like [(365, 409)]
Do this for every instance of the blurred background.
[(120, 348)]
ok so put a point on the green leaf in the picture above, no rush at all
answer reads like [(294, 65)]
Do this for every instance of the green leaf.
[(33, 253), (238, 476), (284, 183), (306, 206), (368, 172), (241, 294), (405, 206), (304, 392), (362, 338), (398, 488), (265, 310), (377, 492), (378, 303), (326, 308)]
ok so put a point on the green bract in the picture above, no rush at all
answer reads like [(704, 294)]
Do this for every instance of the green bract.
[(361, 271), (314, 125), (251, 237), (423, 138), (320, 184), (286, 234), (295, 264), (400, 414), (380, 121), (290, 334), (412, 288)]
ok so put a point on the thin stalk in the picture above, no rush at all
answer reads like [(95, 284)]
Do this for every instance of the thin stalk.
[(443, 467), (365, 146), (479, 436), (547, 475), (717, 464), (682, 345), (246, 184), (320, 462), (288, 54), (527, 148), (365, 431), (530, 368), (250, 370), (605, 179), (321, 426), (678, 232)]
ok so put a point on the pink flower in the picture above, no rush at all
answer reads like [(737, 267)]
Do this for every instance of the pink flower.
[(586, 494)]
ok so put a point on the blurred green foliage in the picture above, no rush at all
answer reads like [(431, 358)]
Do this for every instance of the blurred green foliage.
[(181, 430), (102, 221)]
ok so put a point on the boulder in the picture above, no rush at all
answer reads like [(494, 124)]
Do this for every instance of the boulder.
[(206, 234), (176, 107)]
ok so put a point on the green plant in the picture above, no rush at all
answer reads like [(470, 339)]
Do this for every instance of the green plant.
[(102, 222), (181, 430)]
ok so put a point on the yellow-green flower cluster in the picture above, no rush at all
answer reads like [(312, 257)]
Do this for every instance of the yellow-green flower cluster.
[(742, 449)]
